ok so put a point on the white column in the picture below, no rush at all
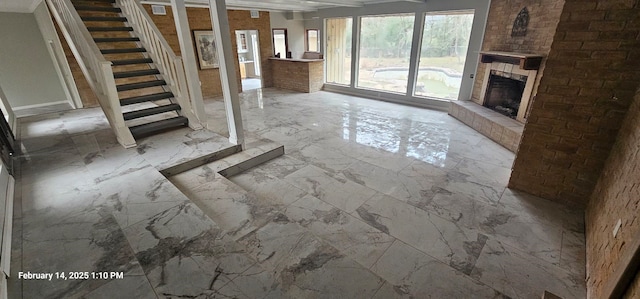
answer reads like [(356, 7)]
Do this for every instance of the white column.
[(414, 60), (222, 34), (355, 50), (189, 59)]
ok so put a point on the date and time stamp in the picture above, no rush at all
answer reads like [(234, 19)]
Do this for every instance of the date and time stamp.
[(71, 275)]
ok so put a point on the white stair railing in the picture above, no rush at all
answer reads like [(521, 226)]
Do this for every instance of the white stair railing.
[(96, 69), (169, 65)]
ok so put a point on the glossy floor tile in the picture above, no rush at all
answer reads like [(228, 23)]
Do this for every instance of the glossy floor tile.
[(433, 186), (370, 200)]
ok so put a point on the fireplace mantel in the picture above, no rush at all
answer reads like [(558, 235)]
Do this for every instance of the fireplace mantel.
[(526, 61)]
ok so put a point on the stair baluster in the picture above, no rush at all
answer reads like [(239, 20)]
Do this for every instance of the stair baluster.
[(159, 50), (152, 53), (96, 69)]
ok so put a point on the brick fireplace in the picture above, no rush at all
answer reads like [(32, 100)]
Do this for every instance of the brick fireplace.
[(544, 16), (507, 90), (575, 135), (508, 82)]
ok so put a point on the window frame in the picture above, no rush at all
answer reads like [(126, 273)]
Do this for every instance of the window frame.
[(356, 84), (241, 42)]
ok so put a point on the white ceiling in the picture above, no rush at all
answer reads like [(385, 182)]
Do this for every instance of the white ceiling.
[(295, 5), (272, 5), (283, 5)]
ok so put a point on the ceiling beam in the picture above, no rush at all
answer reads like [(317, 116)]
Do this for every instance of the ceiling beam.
[(274, 5), (243, 5), (334, 3), (270, 5)]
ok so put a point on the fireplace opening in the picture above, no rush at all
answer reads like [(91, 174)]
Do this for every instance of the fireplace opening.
[(504, 94)]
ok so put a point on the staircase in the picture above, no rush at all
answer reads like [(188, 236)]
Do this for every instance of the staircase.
[(138, 79)]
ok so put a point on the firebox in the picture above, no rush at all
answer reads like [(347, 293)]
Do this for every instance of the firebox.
[(504, 94), (508, 82)]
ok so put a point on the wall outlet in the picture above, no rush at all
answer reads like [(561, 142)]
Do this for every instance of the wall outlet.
[(616, 228)]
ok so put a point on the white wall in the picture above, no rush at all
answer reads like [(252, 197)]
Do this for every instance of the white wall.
[(315, 23), (295, 31), (27, 72), (58, 56)]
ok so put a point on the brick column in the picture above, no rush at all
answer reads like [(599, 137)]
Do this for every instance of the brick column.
[(591, 75)]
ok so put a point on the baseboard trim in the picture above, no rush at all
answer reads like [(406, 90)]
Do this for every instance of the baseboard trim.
[(428, 103), (40, 105)]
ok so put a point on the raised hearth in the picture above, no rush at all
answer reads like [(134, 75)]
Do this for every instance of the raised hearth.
[(499, 128)]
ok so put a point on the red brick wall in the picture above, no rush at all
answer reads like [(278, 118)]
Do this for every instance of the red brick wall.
[(291, 75), (298, 76), (616, 196), (588, 85), (200, 19), (87, 96), (316, 76), (543, 19)]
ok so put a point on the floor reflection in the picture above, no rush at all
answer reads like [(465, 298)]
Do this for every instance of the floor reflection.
[(427, 143)]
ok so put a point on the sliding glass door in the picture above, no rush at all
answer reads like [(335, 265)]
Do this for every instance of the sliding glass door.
[(385, 48), (338, 52), (445, 40), (384, 61)]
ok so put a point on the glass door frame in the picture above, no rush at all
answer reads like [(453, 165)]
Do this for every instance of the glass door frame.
[(411, 88), (357, 61), (480, 9)]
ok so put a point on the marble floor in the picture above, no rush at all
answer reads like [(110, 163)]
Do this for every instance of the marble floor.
[(43, 110), (251, 83), (370, 200)]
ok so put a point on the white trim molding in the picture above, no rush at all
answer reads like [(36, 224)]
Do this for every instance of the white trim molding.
[(39, 105)]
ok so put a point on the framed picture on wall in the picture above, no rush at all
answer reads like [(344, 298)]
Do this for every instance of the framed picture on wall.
[(205, 45)]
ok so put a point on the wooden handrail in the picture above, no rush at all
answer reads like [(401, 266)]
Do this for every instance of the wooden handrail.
[(96, 69)]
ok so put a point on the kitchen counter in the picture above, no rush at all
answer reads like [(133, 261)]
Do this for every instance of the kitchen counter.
[(296, 59), (247, 69)]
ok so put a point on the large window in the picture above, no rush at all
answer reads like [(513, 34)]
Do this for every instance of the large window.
[(385, 48), (313, 43), (445, 40), (338, 51)]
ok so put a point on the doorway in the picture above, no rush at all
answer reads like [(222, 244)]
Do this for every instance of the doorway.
[(8, 129), (249, 59)]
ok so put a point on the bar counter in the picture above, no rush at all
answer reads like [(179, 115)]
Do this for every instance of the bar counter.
[(304, 75)]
